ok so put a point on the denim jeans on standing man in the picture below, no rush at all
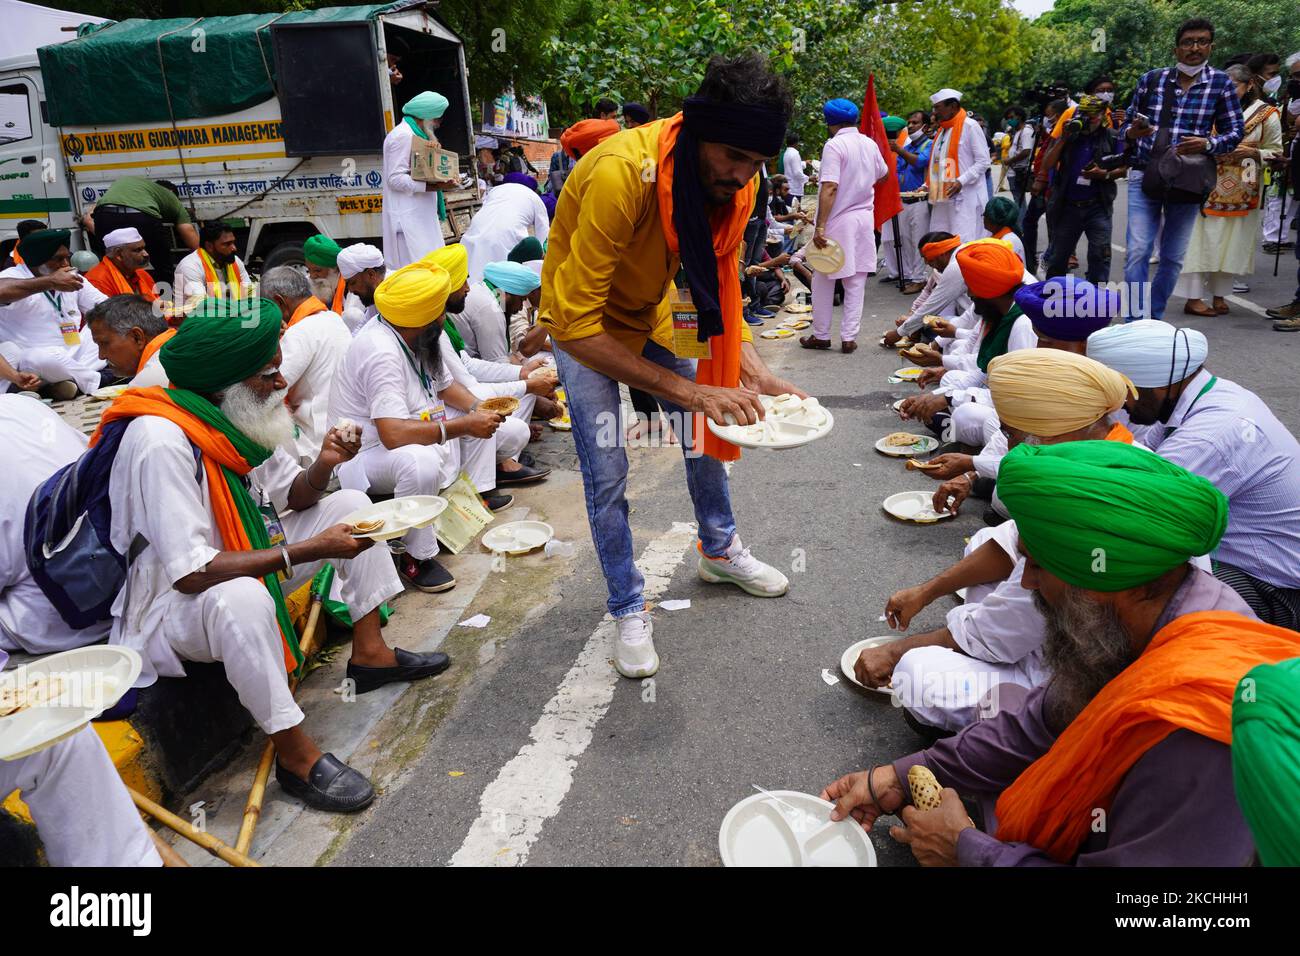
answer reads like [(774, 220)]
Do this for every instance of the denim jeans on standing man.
[(598, 435), (1146, 217), (1073, 220)]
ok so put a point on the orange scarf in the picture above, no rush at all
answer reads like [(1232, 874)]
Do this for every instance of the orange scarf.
[(340, 293), (217, 452), (1119, 433), (308, 306), (1001, 232), (946, 168), (216, 288), (723, 369), (151, 348), (108, 279), (1184, 679)]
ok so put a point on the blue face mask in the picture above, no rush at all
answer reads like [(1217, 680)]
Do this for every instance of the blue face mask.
[(1013, 123)]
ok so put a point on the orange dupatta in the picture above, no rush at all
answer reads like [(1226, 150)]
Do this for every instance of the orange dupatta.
[(1183, 680), (939, 163), (217, 452), (108, 279), (1119, 432), (151, 348), (308, 306), (340, 294), (728, 222), (216, 288)]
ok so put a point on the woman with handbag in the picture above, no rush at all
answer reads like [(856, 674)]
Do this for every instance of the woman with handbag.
[(1222, 246)]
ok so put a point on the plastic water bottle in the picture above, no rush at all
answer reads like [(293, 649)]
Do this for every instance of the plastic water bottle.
[(555, 548)]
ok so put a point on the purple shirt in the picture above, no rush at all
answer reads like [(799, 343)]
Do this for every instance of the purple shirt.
[(1174, 807)]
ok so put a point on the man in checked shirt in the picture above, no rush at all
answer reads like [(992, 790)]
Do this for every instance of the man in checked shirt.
[(1205, 117)]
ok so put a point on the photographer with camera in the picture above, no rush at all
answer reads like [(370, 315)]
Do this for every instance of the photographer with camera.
[(1288, 316), (1180, 117), (1083, 164)]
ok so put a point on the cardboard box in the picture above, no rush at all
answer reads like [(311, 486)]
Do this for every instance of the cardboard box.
[(431, 163)]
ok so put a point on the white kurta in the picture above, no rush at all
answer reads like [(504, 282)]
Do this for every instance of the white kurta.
[(510, 213), (37, 443), (792, 167), (153, 373), (36, 325), (155, 492), (310, 353), (963, 215), (191, 282), (945, 293), (853, 162), (482, 325), (412, 228)]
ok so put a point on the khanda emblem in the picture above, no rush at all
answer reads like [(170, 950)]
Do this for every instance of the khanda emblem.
[(74, 147)]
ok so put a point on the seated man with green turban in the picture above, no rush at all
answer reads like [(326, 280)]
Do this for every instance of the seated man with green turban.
[(1122, 758), (228, 523), (327, 283)]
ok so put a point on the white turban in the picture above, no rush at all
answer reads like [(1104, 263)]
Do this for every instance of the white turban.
[(945, 94), (122, 237), (1151, 353), (358, 256)]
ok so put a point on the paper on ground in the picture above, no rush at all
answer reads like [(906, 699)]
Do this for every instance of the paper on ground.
[(478, 620), (676, 604)]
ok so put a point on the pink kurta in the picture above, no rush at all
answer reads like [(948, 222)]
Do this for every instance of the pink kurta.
[(854, 163)]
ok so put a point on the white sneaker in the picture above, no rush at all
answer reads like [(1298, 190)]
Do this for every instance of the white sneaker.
[(634, 647), (742, 569)]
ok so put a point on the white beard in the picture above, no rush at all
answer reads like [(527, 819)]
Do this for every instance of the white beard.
[(265, 422), (323, 289)]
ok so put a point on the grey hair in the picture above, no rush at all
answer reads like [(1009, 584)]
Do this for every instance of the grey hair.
[(1238, 73), (288, 282), (122, 313), (1293, 59)]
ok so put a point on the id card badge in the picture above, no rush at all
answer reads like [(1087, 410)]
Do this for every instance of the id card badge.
[(1083, 181), (274, 529), (686, 327), (434, 413), (70, 327)]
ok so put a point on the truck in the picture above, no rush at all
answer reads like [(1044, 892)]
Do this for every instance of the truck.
[(271, 123)]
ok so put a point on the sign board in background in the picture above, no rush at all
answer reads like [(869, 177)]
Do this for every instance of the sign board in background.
[(519, 117)]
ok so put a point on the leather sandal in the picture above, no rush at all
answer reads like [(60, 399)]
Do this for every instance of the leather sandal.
[(1204, 311), (812, 342)]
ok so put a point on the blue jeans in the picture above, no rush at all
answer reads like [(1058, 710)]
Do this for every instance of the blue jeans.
[(598, 435), (1071, 222), (1146, 217)]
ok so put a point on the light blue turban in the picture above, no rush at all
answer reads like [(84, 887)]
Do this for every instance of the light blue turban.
[(840, 111), (1151, 353), (426, 105), (512, 277)]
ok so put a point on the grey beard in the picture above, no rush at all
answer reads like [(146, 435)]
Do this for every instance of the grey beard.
[(1086, 647), (267, 423), (323, 289)]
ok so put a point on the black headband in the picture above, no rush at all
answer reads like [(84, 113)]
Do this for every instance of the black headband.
[(759, 129)]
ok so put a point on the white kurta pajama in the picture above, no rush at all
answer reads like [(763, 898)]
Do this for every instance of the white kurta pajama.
[(310, 352), (43, 334), (38, 442), (154, 492), (412, 228), (853, 162), (510, 213), (191, 281), (483, 326), (963, 215)]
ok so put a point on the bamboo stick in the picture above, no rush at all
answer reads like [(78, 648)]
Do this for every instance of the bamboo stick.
[(165, 850), (187, 830), (253, 808)]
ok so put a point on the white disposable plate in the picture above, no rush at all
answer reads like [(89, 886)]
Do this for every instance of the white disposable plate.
[(788, 828), (777, 333), (94, 679), (798, 308), (898, 405), (908, 373), (400, 515), (518, 537), (828, 259), (924, 445), (772, 432), (850, 657), (796, 325), (108, 392), (916, 506), (562, 424)]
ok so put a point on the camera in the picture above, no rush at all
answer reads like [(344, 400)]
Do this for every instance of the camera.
[(1112, 160), (1074, 127)]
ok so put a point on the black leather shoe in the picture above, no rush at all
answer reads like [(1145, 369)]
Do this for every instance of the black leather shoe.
[(522, 476), (409, 667), (495, 502), (331, 785), (428, 575)]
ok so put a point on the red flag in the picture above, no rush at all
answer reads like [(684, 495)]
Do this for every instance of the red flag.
[(888, 201)]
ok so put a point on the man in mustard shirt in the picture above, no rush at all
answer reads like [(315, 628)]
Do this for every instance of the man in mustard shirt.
[(671, 194)]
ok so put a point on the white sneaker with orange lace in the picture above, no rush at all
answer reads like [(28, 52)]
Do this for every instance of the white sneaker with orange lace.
[(742, 569)]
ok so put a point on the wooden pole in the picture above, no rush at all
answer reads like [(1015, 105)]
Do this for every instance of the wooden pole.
[(253, 808), (165, 850), (187, 830)]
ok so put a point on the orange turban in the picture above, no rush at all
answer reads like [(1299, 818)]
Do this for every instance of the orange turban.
[(932, 249), (990, 268), (582, 137)]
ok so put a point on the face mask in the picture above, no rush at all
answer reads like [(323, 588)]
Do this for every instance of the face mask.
[(1012, 123), (1188, 70), (1105, 97), (1273, 85), (917, 135)]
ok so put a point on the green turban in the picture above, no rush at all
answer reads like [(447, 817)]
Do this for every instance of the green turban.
[(527, 249), (894, 124), (1266, 759), (1002, 212), (426, 105), (1108, 516), (322, 251), (222, 342), (39, 247)]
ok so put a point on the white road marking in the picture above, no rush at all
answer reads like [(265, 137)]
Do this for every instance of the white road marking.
[(531, 786)]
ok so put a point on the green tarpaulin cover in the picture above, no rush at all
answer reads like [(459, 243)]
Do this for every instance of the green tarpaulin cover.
[(212, 65)]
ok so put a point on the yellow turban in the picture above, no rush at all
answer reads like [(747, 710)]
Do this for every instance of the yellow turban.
[(414, 295), (455, 260), (1047, 392)]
